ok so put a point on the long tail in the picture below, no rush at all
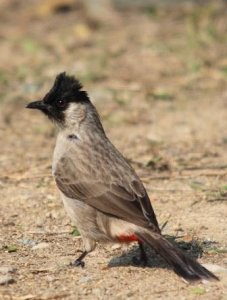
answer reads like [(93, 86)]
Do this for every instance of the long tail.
[(182, 264)]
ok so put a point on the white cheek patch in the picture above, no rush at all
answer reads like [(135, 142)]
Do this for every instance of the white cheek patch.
[(72, 119), (71, 112), (74, 114)]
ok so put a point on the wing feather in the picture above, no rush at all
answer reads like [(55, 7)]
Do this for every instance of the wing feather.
[(122, 197)]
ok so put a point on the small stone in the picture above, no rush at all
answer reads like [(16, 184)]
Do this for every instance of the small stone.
[(28, 242), (49, 197), (85, 279), (50, 278), (40, 246), (97, 292), (39, 222), (7, 269), (214, 268), (6, 279), (116, 246)]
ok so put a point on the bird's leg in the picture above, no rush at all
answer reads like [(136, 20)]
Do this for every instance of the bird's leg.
[(142, 260), (79, 261)]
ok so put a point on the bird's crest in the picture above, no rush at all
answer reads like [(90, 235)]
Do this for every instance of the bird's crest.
[(68, 87)]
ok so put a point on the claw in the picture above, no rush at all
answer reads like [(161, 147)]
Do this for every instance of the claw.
[(78, 263)]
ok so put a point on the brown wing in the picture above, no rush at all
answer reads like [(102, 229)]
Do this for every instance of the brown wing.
[(121, 196)]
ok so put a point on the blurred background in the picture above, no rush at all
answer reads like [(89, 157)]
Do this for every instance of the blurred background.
[(157, 72), (136, 58)]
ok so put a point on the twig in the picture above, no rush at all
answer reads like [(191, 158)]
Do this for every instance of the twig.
[(161, 177), (214, 167), (53, 296), (14, 179), (164, 225), (211, 167), (53, 233), (183, 177), (34, 297)]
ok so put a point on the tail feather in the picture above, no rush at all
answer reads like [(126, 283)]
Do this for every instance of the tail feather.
[(182, 264)]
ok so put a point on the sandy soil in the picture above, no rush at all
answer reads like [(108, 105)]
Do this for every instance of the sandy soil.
[(158, 79)]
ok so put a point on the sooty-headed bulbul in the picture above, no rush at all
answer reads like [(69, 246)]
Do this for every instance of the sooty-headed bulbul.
[(100, 190)]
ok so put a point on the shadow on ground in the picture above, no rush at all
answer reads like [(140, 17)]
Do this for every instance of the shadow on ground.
[(192, 248)]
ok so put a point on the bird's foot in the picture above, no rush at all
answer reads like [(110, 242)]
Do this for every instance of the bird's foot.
[(78, 263), (139, 261), (142, 260)]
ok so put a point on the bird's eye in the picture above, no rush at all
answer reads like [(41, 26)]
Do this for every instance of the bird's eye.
[(61, 103)]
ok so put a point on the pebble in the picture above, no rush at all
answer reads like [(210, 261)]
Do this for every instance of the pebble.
[(6, 279), (215, 268), (39, 222), (7, 269), (97, 292), (40, 246), (50, 278), (116, 246), (28, 242), (85, 279)]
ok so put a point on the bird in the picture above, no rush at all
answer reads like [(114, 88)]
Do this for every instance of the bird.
[(101, 192)]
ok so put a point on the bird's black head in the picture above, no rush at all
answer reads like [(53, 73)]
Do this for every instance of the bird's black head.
[(66, 89)]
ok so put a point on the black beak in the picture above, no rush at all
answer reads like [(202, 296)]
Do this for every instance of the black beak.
[(37, 105)]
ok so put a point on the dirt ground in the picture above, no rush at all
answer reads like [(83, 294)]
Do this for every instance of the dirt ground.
[(158, 78)]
